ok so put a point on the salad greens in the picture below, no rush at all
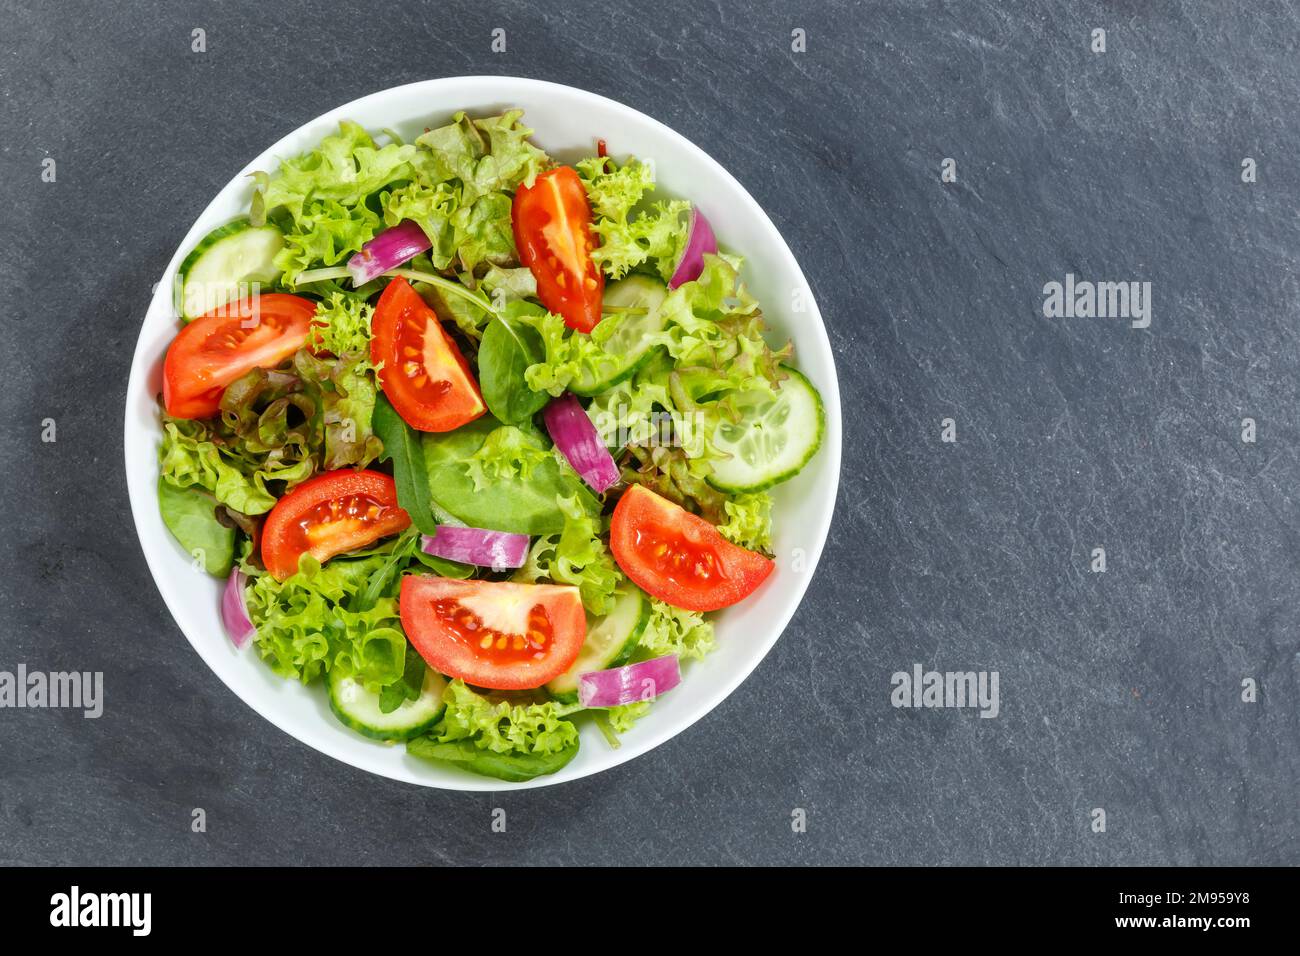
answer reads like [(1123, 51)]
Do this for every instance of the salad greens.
[(504, 477), (401, 446), (508, 349), (680, 352), (191, 516)]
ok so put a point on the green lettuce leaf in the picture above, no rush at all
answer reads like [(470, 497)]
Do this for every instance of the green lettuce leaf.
[(346, 392), (514, 767), (346, 168), (508, 453), (500, 736), (509, 348), (190, 515), (749, 521), (325, 233), (481, 155), (306, 627), (575, 556), (504, 725), (513, 501), (189, 458), (461, 197), (431, 208), (342, 325), (622, 718), (321, 197), (627, 240), (672, 630), (403, 447)]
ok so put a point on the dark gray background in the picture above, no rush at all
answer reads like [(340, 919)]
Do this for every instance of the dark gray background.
[(1119, 690)]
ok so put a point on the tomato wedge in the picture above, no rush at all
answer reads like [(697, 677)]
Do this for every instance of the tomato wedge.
[(552, 225), (420, 368), (679, 557), (494, 634), (327, 515), (231, 340)]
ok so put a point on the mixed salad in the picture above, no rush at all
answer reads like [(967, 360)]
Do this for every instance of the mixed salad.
[(478, 441)]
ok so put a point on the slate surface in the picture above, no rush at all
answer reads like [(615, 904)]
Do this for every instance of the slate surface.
[(1119, 690)]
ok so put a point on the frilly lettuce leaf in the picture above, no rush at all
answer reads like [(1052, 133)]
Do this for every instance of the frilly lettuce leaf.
[(305, 627), (319, 198), (189, 458), (326, 232), (672, 630), (575, 556), (346, 168), (627, 240), (342, 325), (749, 521), (482, 155), (507, 453), (276, 426), (345, 389), (500, 736), (460, 195), (431, 208), (622, 718), (504, 725)]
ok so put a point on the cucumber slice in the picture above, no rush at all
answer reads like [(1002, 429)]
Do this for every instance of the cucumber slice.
[(359, 709), (223, 266), (633, 340), (610, 641), (776, 436)]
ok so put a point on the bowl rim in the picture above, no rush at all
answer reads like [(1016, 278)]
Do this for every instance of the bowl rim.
[(634, 744)]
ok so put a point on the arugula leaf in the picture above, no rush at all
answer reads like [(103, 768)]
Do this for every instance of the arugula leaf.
[(381, 580), (408, 686), (190, 515), (509, 347), (402, 447)]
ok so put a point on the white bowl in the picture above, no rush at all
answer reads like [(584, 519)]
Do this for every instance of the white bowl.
[(567, 123)]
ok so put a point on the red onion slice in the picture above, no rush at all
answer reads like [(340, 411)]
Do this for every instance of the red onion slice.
[(497, 550), (579, 442), (234, 609), (623, 685), (388, 250), (699, 240)]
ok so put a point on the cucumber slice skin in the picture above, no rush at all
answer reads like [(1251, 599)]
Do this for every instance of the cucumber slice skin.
[(565, 687), (636, 290), (216, 244), (365, 718), (763, 480)]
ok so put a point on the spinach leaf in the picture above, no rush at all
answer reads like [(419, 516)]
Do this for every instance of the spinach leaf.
[(402, 447), (190, 515), (515, 767), (509, 347), (518, 502)]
